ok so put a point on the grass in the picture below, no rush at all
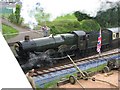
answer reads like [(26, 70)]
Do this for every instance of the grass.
[(8, 31), (5, 15), (96, 68), (66, 17), (51, 84)]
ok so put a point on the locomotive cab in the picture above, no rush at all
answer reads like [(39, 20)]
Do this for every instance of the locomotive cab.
[(81, 39)]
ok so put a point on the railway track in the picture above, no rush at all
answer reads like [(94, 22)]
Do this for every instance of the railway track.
[(46, 76), (94, 58), (63, 65)]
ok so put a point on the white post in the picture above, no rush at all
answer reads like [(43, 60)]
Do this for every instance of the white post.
[(1, 19), (0, 26), (12, 75)]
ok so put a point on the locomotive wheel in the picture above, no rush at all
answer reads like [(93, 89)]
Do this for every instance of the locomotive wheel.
[(112, 64), (73, 47), (62, 48), (50, 51), (106, 69), (72, 79), (79, 75)]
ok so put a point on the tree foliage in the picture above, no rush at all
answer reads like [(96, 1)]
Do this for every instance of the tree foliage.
[(89, 25), (63, 26), (109, 18), (70, 16), (17, 13), (15, 17), (81, 16)]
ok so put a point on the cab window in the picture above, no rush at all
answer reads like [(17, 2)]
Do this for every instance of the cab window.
[(82, 38), (117, 35)]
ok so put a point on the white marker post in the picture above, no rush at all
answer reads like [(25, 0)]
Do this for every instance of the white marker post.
[(11, 74)]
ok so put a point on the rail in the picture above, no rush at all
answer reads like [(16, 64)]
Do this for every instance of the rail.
[(78, 62), (49, 76)]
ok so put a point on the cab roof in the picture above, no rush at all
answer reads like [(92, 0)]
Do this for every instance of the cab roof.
[(114, 30), (79, 33)]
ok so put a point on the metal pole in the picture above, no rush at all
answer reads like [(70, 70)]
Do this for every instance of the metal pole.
[(76, 66), (94, 79), (80, 84)]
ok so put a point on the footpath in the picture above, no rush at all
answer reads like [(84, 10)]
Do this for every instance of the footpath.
[(22, 32)]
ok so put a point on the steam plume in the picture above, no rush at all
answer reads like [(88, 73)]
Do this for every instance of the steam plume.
[(61, 7), (28, 12)]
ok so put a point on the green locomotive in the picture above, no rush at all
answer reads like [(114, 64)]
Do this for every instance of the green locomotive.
[(53, 48)]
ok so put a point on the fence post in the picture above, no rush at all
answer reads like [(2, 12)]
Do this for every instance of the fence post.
[(0, 26)]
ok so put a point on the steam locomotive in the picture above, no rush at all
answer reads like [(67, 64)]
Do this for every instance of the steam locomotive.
[(45, 51)]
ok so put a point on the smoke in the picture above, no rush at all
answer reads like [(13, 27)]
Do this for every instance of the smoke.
[(107, 4), (28, 12), (61, 7), (91, 7)]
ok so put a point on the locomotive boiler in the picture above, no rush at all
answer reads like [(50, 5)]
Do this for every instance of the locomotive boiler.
[(48, 50)]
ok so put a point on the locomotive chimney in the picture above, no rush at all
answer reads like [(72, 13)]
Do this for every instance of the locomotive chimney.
[(27, 38)]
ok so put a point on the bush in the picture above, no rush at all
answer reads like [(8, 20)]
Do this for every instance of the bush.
[(89, 25), (12, 18), (63, 26)]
